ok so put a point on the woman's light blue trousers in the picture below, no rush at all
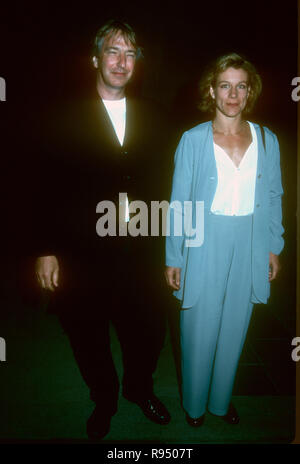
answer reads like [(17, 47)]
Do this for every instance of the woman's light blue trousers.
[(213, 331)]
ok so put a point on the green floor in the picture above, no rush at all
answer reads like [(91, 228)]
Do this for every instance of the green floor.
[(43, 396)]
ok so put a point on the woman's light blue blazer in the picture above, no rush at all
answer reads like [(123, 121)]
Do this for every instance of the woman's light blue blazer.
[(195, 179)]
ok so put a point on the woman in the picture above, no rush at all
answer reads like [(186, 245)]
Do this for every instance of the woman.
[(233, 167)]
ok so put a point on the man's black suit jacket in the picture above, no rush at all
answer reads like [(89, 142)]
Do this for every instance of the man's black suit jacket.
[(81, 163)]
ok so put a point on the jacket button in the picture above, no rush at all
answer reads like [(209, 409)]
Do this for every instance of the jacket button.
[(259, 176), (257, 206)]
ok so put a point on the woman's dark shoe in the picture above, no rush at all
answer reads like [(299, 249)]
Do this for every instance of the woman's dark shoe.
[(232, 416), (195, 422)]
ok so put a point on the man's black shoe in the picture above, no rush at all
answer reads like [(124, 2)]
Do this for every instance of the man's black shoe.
[(98, 424), (153, 409)]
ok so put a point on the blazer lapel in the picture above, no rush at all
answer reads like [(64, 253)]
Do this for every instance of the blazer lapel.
[(129, 122), (107, 130), (260, 171)]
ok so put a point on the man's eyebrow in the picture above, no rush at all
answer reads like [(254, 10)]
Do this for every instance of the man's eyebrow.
[(131, 50), (228, 82)]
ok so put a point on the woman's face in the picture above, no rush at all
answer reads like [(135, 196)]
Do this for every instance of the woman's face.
[(231, 92)]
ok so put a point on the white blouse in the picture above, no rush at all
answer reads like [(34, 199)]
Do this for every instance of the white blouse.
[(236, 185)]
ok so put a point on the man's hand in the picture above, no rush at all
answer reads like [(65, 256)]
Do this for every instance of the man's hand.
[(172, 275), (274, 266), (47, 271)]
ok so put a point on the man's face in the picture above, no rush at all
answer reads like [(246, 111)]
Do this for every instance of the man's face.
[(116, 62)]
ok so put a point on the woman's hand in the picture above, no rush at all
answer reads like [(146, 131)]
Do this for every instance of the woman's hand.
[(274, 266), (172, 275)]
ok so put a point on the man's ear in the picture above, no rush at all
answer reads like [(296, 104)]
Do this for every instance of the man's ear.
[(95, 62), (212, 93)]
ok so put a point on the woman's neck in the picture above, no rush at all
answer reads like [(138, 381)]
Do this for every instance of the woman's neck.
[(229, 126)]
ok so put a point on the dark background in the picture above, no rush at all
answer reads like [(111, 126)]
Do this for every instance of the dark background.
[(45, 57)]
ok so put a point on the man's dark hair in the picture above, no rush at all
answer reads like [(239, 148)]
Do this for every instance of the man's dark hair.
[(112, 27)]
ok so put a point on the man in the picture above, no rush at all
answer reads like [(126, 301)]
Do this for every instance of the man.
[(108, 145)]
